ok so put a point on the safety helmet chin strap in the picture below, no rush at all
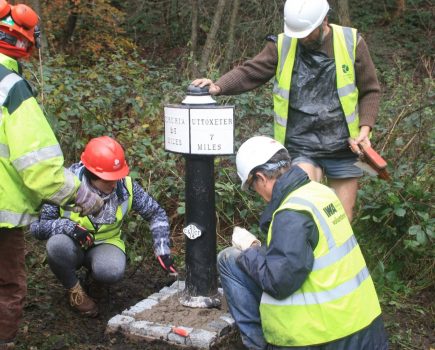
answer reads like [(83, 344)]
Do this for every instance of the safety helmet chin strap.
[(17, 52), (10, 39), (37, 36), (8, 44)]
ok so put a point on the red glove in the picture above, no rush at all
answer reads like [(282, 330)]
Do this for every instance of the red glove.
[(167, 263), (82, 236)]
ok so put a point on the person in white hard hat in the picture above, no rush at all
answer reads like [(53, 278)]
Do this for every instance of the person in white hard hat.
[(307, 286), (326, 93)]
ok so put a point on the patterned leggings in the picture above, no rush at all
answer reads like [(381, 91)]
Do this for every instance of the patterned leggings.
[(105, 261)]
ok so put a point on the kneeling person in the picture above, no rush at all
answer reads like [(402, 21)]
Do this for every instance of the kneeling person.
[(308, 287), (95, 241)]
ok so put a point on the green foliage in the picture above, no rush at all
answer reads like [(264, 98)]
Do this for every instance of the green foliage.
[(396, 218), (84, 102), (114, 91), (405, 37), (85, 30), (234, 207), (161, 21)]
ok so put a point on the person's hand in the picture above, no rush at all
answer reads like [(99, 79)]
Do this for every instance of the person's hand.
[(243, 239), (213, 89), (82, 236), (167, 263), (87, 202), (363, 137)]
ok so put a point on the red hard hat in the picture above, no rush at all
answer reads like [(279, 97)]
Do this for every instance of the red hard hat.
[(104, 157), (19, 20)]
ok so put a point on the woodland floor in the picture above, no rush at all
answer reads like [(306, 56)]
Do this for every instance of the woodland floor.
[(50, 324)]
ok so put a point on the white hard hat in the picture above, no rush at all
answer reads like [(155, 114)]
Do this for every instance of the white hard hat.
[(301, 17), (254, 152)]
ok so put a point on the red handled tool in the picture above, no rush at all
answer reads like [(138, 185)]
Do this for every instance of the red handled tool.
[(371, 160)]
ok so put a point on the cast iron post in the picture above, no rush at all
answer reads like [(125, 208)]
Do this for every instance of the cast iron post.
[(200, 129), (201, 272)]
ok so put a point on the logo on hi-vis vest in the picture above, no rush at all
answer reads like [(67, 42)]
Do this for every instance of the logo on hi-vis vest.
[(345, 68), (330, 210)]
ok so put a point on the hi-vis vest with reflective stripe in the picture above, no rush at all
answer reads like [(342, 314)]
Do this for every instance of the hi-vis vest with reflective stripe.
[(338, 298), (111, 233), (344, 41), (31, 161)]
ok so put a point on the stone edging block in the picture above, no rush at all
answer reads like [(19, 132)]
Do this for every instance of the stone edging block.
[(199, 338)]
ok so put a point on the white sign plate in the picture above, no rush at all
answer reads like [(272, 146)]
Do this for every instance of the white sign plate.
[(192, 231), (203, 131), (212, 131), (177, 129)]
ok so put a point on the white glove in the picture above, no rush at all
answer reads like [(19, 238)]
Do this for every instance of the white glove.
[(242, 239)]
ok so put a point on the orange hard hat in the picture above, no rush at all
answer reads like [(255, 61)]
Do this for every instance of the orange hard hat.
[(19, 20), (104, 157)]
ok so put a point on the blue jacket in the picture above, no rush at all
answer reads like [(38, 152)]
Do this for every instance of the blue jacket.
[(281, 268)]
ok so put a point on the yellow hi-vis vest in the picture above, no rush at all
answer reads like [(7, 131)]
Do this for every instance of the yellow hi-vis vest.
[(31, 161), (344, 42), (338, 297), (110, 233)]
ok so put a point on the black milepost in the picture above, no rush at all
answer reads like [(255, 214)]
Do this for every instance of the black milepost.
[(200, 129), (201, 272)]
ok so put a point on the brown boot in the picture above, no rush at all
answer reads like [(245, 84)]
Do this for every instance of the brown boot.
[(80, 301)]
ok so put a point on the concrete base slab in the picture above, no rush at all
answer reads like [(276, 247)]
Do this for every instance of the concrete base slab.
[(131, 324)]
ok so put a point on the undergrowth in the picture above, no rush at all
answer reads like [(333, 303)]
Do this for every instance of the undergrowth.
[(396, 217)]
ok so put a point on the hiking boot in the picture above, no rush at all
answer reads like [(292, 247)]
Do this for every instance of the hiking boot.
[(80, 301)]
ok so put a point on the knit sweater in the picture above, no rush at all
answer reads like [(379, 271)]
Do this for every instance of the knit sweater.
[(262, 68)]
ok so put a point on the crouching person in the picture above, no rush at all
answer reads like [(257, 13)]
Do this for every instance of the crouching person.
[(308, 286), (95, 241)]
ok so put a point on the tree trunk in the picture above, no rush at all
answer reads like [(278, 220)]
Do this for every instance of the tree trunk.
[(343, 12), (400, 8), (174, 21), (231, 29), (211, 37), (194, 39), (70, 24), (36, 5)]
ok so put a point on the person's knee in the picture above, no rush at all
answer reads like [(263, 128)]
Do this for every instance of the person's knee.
[(108, 274), (59, 246), (346, 191), (314, 173), (227, 257)]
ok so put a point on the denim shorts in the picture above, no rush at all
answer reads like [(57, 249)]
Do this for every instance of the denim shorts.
[(333, 168)]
